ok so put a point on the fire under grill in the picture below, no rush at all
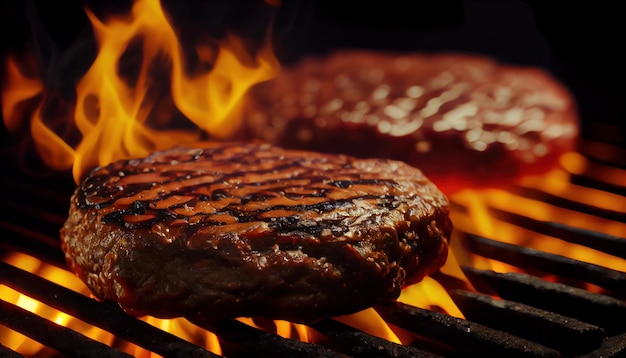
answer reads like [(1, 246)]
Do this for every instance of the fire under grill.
[(518, 300)]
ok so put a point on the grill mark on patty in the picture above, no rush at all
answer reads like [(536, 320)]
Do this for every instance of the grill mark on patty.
[(134, 189), (244, 216), (171, 176), (217, 192)]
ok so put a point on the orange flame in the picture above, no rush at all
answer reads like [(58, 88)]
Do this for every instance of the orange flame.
[(21, 89), (16, 341), (479, 220), (112, 114)]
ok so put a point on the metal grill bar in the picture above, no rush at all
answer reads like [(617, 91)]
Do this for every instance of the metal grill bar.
[(358, 344), (601, 310), (589, 182), (610, 244), (613, 245), (466, 336), (32, 221), (258, 343), (565, 334), (604, 153), (537, 194), (107, 317), (9, 353), (60, 338), (612, 347), (532, 259), (32, 242)]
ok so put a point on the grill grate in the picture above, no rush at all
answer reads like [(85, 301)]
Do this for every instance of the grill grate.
[(58, 337), (604, 311), (565, 334), (511, 314), (538, 260), (462, 335), (106, 316)]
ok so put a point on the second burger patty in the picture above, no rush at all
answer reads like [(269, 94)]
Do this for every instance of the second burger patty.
[(226, 230)]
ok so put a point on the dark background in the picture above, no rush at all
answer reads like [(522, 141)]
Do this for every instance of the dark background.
[(579, 42)]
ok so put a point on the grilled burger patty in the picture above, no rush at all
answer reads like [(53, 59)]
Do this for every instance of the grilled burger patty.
[(226, 230), (464, 120)]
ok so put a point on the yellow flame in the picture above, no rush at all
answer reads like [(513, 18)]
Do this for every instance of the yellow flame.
[(369, 321), (478, 219), (112, 114), (177, 326), (17, 88), (429, 294)]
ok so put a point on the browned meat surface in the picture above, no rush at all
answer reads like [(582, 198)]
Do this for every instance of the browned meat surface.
[(225, 230), (463, 120)]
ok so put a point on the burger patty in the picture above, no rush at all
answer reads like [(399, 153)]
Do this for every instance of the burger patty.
[(464, 120), (225, 230)]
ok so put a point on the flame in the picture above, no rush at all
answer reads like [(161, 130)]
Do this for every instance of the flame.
[(479, 220), (13, 340), (115, 115), (22, 88), (430, 294), (369, 321)]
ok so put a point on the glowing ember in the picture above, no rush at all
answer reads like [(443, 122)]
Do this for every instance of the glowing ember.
[(112, 114)]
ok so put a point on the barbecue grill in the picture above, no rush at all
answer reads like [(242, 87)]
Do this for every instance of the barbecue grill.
[(524, 286)]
